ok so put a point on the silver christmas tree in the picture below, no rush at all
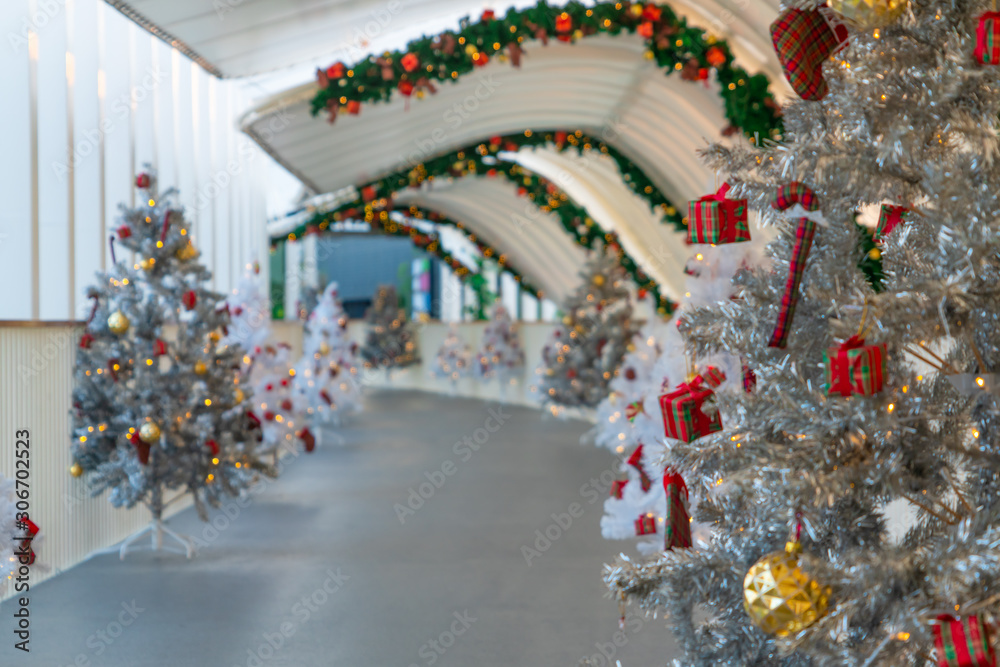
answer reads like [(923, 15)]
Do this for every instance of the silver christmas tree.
[(910, 120), (389, 342), (157, 402), (585, 351)]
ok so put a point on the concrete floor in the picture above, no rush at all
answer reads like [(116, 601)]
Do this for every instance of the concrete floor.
[(320, 565)]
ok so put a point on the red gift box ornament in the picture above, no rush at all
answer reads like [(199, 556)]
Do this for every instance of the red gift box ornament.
[(564, 23), (689, 411), (716, 219), (855, 368), (963, 642), (618, 488), (788, 196), (159, 348), (803, 40), (308, 439), (645, 525), (190, 299), (889, 217), (635, 458), (988, 39), (677, 522)]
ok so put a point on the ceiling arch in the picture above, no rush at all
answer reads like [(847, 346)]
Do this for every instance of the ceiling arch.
[(491, 210)]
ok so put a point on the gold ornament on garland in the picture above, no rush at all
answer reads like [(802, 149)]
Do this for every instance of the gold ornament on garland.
[(598, 280), (779, 597), (76, 470), (149, 432), (869, 13), (200, 368), (118, 323)]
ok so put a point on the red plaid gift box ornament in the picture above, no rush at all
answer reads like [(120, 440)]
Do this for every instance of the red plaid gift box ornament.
[(889, 217), (963, 642), (804, 39), (988, 39), (618, 488), (689, 411), (635, 458), (633, 410), (677, 522), (715, 219), (855, 368), (645, 525), (789, 196)]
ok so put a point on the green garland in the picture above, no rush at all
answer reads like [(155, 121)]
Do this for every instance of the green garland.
[(675, 47)]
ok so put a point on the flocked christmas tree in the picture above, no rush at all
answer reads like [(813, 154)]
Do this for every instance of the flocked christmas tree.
[(864, 402), (584, 352), (389, 342), (500, 353), (453, 360), (327, 385), (157, 404)]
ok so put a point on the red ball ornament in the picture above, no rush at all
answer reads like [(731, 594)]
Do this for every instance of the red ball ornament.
[(630, 373), (480, 59), (213, 446), (286, 404), (368, 193), (190, 299), (651, 12), (642, 293), (284, 383), (335, 71), (269, 416), (715, 56), (124, 232), (410, 62), (405, 88), (142, 180), (268, 387), (571, 373), (560, 138)]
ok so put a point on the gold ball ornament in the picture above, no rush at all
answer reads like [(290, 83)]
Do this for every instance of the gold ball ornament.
[(76, 470), (567, 320), (324, 349), (149, 432), (147, 264), (186, 251), (118, 323), (869, 13), (779, 597), (200, 368), (238, 396), (598, 280), (214, 336)]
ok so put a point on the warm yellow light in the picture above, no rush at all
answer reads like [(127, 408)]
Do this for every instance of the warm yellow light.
[(159, 244), (239, 465), (83, 438), (149, 362), (215, 462), (152, 203), (211, 477), (980, 381), (208, 401), (892, 406), (291, 371), (919, 378), (902, 636), (90, 429), (975, 433), (699, 257)]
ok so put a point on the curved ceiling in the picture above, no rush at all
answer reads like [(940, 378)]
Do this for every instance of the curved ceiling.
[(491, 209)]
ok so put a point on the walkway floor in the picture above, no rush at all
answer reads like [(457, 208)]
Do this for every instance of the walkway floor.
[(323, 565)]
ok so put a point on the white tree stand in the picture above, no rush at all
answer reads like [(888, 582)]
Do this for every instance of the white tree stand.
[(157, 529)]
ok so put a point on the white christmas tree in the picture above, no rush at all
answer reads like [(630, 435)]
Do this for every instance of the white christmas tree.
[(500, 353), (453, 360), (327, 385)]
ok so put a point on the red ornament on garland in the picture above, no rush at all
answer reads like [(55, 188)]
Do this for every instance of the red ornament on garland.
[(571, 373), (564, 23), (335, 71), (715, 56), (560, 138), (368, 193), (480, 59), (286, 404), (645, 30), (651, 12), (353, 107), (406, 88), (142, 180), (124, 232), (487, 16), (190, 299), (410, 62), (269, 416)]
